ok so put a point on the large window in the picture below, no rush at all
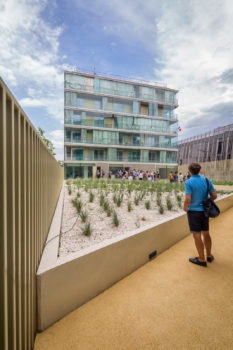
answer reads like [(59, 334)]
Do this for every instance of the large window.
[(99, 154), (154, 156)]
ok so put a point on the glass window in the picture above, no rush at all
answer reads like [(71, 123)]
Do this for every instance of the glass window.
[(99, 154), (119, 155)]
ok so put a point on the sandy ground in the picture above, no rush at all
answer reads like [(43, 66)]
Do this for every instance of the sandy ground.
[(102, 227)]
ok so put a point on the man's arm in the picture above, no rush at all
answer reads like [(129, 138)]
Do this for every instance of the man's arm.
[(187, 201), (213, 194)]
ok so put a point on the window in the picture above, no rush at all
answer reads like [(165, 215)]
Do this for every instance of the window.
[(119, 155), (99, 154), (154, 156), (77, 119)]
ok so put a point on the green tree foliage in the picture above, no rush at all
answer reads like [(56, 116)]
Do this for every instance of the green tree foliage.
[(48, 143)]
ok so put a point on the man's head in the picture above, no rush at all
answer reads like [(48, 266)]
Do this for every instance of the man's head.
[(194, 168)]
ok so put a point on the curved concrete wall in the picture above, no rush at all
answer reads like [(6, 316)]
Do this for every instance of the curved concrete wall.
[(66, 283)]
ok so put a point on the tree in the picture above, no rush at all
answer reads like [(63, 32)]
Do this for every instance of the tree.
[(48, 143)]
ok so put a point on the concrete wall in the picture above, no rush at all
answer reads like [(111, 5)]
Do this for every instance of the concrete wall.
[(221, 170), (66, 283)]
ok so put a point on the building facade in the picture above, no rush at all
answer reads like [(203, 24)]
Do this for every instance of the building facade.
[(213, 150), (112, 124), (212, 146)]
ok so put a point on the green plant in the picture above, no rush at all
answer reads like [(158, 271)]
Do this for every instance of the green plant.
[(115, 219), (77, 204), (169, 203), (179, 200), (130, 208), (69, 189), (102, 199), (83, 215), (136, 199), (148, 205), (161, 209), (91, 197), (87, 231)]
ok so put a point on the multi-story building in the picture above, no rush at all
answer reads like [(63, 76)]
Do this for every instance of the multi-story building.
[(212, 146), (113, 124), (213, 150)]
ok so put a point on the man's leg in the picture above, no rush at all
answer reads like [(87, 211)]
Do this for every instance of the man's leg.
[(207, 242), (199, 245)]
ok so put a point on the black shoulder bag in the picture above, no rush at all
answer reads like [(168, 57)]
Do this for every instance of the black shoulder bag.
[(211, 210)]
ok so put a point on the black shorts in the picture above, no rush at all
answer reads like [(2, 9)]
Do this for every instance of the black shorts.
[(197, 221)]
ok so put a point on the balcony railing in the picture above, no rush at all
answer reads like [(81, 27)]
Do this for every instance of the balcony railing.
[(83, 141), (30, 183), (154, 129), (117, 159), (122, 93)]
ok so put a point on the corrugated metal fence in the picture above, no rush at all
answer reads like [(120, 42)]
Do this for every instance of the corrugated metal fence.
[(30, 183)]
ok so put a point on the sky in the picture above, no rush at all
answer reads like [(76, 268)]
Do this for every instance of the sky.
[(186, 44)]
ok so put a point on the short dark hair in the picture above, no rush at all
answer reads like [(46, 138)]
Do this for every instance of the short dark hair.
[(194, 168)]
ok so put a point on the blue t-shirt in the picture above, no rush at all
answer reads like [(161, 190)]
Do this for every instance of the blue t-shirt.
[(197, 187)]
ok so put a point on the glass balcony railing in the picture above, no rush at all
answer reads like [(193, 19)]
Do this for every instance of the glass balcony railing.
[(123, 93), (129, 159), (120, 143), (123, 127)]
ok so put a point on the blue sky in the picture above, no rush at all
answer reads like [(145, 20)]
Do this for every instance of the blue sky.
[(187, 44)]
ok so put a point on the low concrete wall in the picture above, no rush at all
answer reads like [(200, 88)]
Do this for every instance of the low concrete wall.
[(66, 283), (221, 170)]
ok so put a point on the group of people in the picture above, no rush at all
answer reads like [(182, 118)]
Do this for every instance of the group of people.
[(175, 177), (135, 174)]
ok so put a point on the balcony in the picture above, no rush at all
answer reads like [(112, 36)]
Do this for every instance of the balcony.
[(149, 129), (121, 93), (81, 141)]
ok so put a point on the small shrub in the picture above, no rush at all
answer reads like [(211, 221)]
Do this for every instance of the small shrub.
[(91, 197), (115, 219), (130, 208), (87, 229), (161, 209), (83, 215), (136, 200), (179, 200), (148, 205), (169, 203), (78, 194), (77, 204), (69, 190), (102, 199)]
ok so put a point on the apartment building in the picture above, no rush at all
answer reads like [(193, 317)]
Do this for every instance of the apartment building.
[(112, 124)]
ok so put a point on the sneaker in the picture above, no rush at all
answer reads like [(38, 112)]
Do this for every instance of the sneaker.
[(210, 258), (198, 262)]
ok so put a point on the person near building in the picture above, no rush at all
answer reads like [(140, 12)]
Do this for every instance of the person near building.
[(195, 194)]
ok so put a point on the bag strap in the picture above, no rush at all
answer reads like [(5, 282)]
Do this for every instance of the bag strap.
[(208, 186)]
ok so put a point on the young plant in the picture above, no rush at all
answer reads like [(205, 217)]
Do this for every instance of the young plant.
[(161, 209), (87, 229), (115, 219), (102, 199), (91, 197), (69, 189), (83, 215), (130, 208), (169, 203), (148, 205), (77, 204)]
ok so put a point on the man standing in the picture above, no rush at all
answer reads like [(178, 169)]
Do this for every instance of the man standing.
[(195, 193)]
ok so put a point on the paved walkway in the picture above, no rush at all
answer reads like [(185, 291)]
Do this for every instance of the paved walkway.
[(166, 304)]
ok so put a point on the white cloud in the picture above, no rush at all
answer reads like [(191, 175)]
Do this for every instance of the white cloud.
[(29, 54), (195, 49), (57, 137)]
